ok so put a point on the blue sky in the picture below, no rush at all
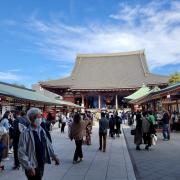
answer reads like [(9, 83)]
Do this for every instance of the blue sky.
[(40, 39)]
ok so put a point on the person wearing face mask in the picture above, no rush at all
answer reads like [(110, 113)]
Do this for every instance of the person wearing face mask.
[(35, 149)]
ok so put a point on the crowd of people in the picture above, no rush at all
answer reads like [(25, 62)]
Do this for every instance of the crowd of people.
[(146, 123), (28, 134), (13, 126)]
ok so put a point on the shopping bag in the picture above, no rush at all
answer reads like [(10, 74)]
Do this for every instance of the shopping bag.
[(154, 139)]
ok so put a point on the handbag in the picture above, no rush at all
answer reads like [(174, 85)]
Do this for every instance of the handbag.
[(133, 130)]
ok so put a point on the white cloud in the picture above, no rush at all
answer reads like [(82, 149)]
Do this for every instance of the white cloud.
[(151, 27), (14, 70), (9, 76)]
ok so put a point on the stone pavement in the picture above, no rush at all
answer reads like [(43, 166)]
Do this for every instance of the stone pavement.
[(161, 162), (114, 164)]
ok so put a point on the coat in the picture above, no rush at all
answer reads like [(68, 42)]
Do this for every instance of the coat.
[(77, 130), (138, 131), (26, 150), (145, 125)]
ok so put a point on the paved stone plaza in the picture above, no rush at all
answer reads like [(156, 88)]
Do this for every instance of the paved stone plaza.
[(115, 164), (162, 162)]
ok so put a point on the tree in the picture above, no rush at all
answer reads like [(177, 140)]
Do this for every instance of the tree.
[(174, 78)]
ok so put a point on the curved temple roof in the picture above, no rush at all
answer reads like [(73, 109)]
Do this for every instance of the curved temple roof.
[(108, 71)]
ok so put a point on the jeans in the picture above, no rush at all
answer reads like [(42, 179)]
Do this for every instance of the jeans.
[(78, 152), (147, 139), (102, 141), (1, 150), (62, 127), (166, 133), (16, 160), (112, 132)]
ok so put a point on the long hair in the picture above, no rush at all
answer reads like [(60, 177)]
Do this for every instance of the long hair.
[(49, 117), (6, 114), (77, 118)]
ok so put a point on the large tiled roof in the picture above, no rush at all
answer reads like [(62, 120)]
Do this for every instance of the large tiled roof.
[(109, 71), (64, 82)]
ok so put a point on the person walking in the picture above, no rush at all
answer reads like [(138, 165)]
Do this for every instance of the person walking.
[(16, 139), (2, 146), (146, 130), (138, 131), (103, 126), (165, 121), (45, 127), (111, 126), (76, 133), (20, 123), (49, 121), (35, 148), (64, 120), (118, 122), (89, 129), (59, 119), (5, 138), (151, 118)]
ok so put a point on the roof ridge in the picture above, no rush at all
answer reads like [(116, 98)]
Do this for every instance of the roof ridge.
[(16, 86), (111, 54), (151, 73)]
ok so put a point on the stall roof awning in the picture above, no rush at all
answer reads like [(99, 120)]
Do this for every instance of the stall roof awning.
[(29, 94), (140, 99), (144, 90), (169, 88)]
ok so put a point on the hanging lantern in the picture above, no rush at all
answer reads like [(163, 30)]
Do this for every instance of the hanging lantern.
[(168, 96)]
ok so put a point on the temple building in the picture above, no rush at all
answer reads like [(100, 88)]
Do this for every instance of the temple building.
[(103, 80)]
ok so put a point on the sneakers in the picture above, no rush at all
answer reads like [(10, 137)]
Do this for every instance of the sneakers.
[(10, 152), (1, 168), (76, 162), (16, 168), (147, 148), (100, 149), (6, 159), (138, 148)]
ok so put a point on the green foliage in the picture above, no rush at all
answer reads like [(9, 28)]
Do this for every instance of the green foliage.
[(174, 78)]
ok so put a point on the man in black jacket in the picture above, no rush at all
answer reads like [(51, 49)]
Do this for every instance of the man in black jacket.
[(103, 126)]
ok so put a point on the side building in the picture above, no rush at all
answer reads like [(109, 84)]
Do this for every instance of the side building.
[(103, 80)]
